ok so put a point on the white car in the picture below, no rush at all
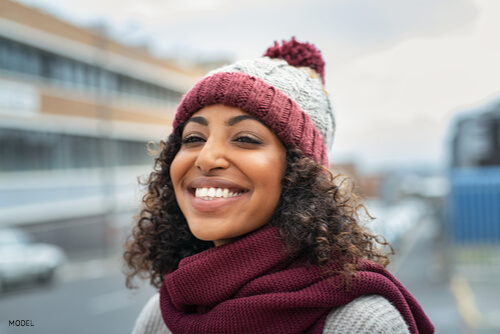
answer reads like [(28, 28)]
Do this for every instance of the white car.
[(22, 259)]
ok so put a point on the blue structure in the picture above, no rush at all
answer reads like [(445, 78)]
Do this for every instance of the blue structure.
[(473, 204)]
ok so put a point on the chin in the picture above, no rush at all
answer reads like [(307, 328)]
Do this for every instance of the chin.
[(216, 238), (203, 234)]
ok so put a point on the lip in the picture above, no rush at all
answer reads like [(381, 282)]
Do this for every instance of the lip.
[(216, 204)]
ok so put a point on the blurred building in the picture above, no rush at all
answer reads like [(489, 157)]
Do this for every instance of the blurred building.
[(474, 175), (76, 112), (476, 137), (472, 208)]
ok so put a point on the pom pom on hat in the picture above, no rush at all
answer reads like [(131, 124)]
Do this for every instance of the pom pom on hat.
[(298, 54)]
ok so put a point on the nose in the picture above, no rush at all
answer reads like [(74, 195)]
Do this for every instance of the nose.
[(212, 156)]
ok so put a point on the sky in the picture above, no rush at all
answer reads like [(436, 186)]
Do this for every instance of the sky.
[(397, 71)]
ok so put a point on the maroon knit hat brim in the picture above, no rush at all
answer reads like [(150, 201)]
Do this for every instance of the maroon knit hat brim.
[(256, 97)]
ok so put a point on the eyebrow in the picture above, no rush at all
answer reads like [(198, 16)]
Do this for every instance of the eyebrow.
[(236, 119), (230, 122), (197, 119)]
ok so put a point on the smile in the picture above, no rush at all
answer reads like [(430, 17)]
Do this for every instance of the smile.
[(209, 194)]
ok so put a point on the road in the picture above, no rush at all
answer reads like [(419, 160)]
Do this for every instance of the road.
[(90, 298), (415, 266)]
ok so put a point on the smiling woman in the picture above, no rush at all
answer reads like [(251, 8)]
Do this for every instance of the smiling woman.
[(227, 174), (243, 228)]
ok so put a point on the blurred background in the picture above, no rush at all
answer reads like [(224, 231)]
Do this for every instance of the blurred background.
[(85, 85)]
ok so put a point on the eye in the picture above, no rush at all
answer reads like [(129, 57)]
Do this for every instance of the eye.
[(192, 139), (247, 139)]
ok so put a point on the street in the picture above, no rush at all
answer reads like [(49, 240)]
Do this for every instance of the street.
[(93, 300), (415, 267)]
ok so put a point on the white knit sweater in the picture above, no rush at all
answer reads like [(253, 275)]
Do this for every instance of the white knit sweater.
[(371, 314)]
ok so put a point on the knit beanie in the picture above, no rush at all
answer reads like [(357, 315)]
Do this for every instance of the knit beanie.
[(284, 89)]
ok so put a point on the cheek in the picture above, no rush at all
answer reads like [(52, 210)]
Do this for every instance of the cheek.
[(280, 170), (174, 172), (179, 167), (278, 162), (269, 172)]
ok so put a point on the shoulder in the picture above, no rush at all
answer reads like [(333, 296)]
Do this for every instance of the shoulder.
[(366, 314), (150, 320)]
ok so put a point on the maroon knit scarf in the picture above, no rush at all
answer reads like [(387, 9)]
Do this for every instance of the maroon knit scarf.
[(252, 286)]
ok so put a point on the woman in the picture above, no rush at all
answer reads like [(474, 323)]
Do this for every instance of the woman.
[(243, 228)]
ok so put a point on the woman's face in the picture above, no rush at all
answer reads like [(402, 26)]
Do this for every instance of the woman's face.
[(227, 174)]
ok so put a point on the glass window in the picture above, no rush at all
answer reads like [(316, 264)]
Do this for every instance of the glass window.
[(35, 150), (22, 58)]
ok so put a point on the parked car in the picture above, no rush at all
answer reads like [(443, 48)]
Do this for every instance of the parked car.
[(23, 259)]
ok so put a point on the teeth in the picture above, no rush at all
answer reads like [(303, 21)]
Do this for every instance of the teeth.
[(213, 193)]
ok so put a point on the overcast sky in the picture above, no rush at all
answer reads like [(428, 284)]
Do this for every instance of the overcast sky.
[(397, 70)]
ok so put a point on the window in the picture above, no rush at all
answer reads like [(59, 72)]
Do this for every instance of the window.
[(17, 57), (34, 150)]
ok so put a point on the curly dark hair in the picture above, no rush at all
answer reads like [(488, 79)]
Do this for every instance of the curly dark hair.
[(317, 214)]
